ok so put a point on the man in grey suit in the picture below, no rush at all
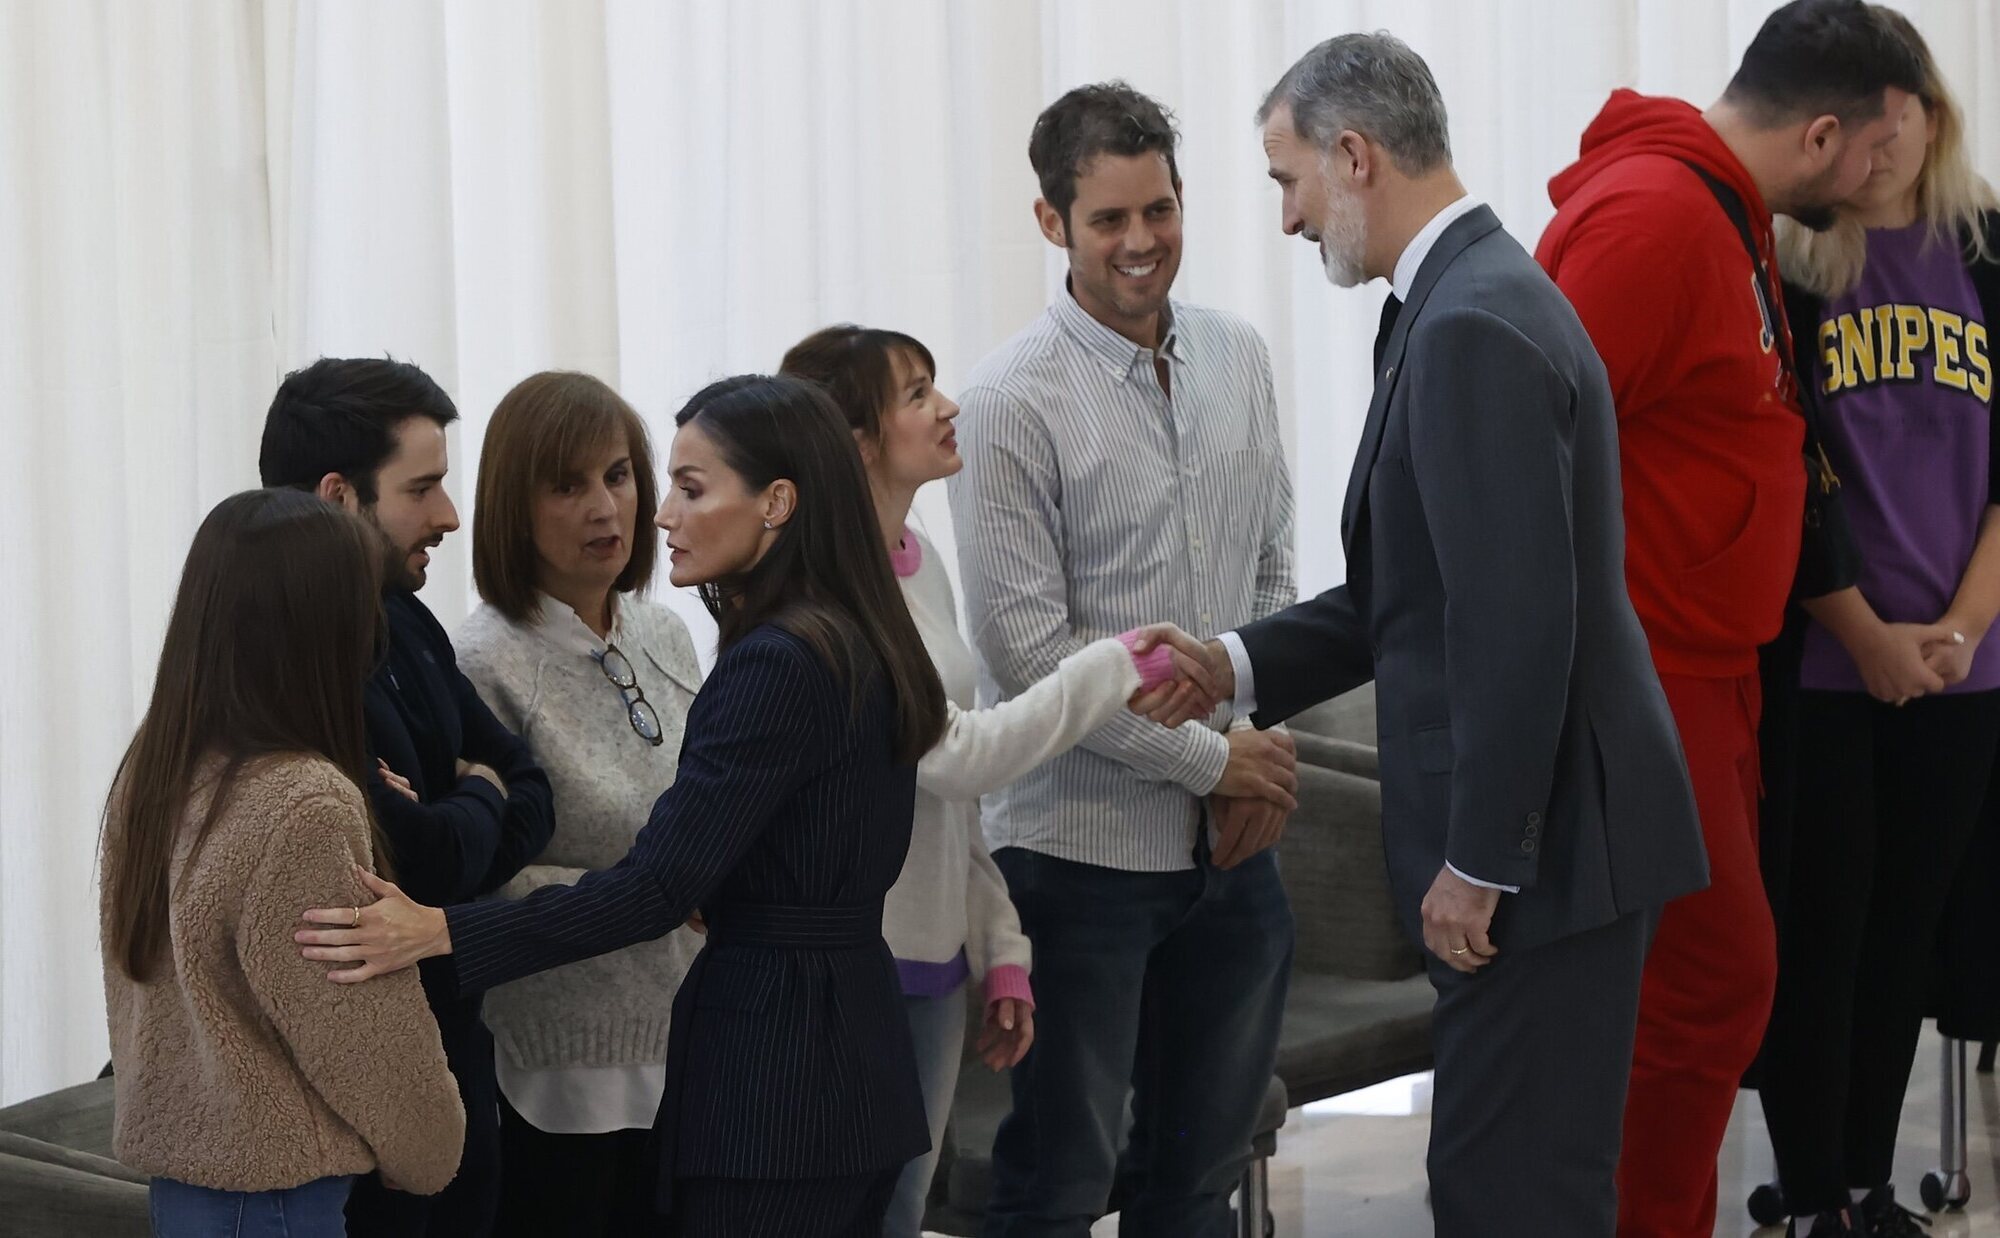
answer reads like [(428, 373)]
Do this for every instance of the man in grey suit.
[(1535, 804)]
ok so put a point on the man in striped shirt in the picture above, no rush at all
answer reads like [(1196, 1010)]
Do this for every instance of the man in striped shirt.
[(1123, 465)]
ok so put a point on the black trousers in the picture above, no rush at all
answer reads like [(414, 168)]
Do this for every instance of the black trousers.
[(1885, 805), (1534, 1053), (464, 1209), (851, 1207), (583, 1186)]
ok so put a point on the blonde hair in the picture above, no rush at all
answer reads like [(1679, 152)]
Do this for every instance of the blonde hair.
[(1950, 196)]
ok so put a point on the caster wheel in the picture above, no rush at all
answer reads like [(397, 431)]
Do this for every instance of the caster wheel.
[(1945, 1192), (1270, 1226), (1767, 1205)]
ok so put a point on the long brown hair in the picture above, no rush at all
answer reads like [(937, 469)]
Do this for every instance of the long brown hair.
[(826, 577), (540, 434), (275, 630), (1952, 198)]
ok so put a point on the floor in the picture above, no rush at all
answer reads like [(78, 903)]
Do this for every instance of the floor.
[(1354, 1166)]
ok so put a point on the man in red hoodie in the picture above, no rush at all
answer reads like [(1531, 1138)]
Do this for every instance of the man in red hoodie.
[(1690, 328)]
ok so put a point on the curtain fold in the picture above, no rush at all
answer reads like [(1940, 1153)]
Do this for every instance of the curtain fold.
[(197, 195)]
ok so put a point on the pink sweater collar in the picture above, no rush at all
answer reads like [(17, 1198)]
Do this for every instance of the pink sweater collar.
[(907, 555)]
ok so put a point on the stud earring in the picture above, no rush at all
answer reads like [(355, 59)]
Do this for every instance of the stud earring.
[(767, 524)]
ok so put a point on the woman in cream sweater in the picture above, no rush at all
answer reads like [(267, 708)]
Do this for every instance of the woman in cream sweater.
[(597, 679), (251, 1089), (948, 919)]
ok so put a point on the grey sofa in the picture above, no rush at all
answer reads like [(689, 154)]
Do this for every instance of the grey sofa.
[(1359, 1008), (57, 1178)]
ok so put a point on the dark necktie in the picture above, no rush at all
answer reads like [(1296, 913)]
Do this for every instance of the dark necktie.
[(1390, 308)]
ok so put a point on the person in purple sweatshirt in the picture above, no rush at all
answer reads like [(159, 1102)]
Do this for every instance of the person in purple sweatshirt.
[(1899, 701)]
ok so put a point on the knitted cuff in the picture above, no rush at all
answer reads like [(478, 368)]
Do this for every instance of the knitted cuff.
[(1156, 665), (1009, 980)]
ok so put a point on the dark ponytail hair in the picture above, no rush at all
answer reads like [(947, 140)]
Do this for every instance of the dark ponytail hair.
[(826, 577)]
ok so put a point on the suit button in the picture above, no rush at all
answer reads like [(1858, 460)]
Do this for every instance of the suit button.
[(1534, 818), (1534, 830), (1389, 373), (1527, 846)]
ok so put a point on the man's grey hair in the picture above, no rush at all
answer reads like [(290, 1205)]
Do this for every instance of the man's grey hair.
[(1376, 86)]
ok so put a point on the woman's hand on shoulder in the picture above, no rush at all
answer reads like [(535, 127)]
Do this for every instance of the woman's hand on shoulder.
[(387, 935)]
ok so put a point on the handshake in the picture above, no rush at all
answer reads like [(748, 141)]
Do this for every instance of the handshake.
[(1248, 806)]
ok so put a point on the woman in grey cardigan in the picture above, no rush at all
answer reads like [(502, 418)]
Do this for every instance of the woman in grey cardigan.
[(597, 679)]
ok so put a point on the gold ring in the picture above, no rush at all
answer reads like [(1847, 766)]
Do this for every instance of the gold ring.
[(1462, 950), (357, 917)]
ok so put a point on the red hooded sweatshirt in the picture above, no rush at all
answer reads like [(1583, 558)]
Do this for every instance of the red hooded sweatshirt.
[(1710, 434)]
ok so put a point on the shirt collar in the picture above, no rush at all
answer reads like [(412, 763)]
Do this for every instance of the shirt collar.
[(1420, 246), (560, 626), (1118, 354)]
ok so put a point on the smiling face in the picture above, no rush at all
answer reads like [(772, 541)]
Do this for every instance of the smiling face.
[(585, 521), (1123, 234), (1313, 205), (715, 523), (918, 443)]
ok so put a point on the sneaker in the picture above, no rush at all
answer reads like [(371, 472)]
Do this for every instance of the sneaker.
[(1840, 1223), (1885, 1218)]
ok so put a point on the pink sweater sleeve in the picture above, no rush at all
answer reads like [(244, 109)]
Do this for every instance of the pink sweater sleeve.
[(1009, 980), (1156, 665)]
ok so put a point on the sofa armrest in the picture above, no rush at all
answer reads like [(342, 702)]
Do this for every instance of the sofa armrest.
[(1346, 756)]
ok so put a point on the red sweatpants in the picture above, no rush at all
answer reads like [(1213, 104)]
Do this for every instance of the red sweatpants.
[(1706, 993)]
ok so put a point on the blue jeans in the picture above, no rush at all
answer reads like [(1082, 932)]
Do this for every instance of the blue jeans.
[(1169, 986), (311, 1211), (937, 1026)]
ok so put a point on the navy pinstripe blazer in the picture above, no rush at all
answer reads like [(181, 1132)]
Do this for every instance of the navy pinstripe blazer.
[(790, 1053)]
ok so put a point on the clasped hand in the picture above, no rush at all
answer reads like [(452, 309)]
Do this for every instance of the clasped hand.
[(1900, 662)]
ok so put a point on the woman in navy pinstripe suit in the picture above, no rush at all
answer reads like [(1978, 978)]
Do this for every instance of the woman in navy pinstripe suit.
[(791, 1098)]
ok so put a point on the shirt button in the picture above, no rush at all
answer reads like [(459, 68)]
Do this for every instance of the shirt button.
[(1196, 543)]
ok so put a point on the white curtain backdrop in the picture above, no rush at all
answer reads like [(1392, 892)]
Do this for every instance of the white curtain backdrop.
[(197, 195)]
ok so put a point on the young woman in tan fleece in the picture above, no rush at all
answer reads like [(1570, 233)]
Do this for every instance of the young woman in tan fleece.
[(251, 1089)]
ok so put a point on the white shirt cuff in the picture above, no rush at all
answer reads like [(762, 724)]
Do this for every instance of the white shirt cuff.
[(1484, 885), (1246, 675)]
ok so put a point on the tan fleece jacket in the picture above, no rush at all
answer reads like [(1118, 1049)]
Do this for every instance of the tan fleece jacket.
[(240, 1066)]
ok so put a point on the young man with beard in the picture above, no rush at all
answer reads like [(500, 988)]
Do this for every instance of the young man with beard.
[(1535, 809), (1123, 465), (461, 801), (1683, 304)]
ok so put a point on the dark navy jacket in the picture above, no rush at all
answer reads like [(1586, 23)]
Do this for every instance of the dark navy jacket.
[(786, 825)]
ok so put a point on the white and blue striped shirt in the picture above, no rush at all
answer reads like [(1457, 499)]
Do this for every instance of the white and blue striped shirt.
[(1091, 502)]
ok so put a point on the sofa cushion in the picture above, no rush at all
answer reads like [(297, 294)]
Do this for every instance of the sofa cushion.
[(1340, 1034), (76, 1117), (1338, 881), (43, 1198)]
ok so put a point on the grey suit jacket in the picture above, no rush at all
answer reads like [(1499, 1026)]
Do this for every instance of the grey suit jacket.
[(1524, 735)]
